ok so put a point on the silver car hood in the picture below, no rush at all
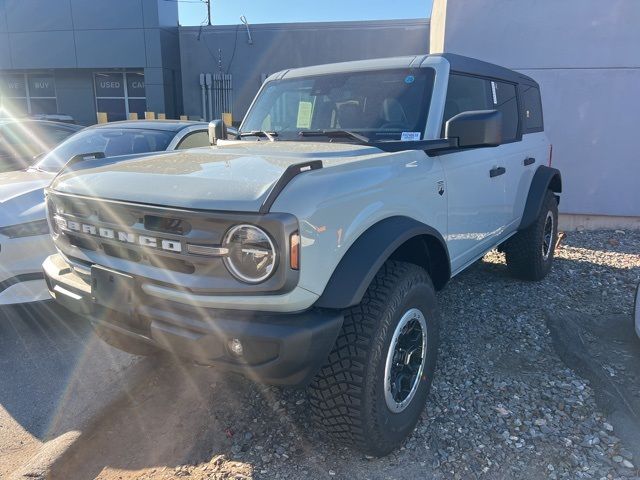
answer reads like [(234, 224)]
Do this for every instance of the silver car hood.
[(22, 196), (236, 176)]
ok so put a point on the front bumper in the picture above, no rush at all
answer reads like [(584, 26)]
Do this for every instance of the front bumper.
[(21, 277), (278, 348)]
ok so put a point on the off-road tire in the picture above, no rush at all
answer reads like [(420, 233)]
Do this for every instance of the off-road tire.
[(347, 396), (524, 251), (126, 343)]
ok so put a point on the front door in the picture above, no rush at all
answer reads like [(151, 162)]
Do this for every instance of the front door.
[(476, 202), (475, 179)]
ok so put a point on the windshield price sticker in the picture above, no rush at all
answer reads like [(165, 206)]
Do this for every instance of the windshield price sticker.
[(304, 115), (410, 136)]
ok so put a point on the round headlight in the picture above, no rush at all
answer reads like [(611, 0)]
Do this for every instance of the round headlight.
[(252, 256)]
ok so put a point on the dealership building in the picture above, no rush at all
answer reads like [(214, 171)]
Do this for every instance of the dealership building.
[(81, 57)]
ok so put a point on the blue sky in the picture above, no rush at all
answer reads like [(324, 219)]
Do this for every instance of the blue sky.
[(227, 12)]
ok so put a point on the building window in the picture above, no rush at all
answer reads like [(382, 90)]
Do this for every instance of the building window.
[(28, 93), (120, 93)]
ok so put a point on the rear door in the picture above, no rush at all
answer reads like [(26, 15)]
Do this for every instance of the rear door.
[(513, 151), (529, 153), (475, 180)]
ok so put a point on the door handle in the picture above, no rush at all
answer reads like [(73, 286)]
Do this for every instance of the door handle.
[(497, 171), (529, 161)]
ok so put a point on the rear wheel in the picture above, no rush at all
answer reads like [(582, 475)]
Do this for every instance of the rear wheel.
[(373, 388), (529, 253)]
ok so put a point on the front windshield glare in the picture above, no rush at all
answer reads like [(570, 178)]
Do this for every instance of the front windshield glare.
[(109, 141), (381, 105)]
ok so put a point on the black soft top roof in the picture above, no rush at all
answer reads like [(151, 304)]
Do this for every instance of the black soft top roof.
[(462, 64)]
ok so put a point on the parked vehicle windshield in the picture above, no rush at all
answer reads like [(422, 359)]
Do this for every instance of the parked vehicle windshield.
[(380, 105), (109, 141)]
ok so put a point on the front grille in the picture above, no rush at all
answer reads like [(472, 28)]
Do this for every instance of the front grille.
[(153, 242), (155, 223), (122, 252)]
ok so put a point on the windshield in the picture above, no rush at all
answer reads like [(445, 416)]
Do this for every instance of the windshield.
[(110, 141), (380, 105)]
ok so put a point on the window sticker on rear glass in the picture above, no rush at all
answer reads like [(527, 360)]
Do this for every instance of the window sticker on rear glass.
[(410, 136), (409, 79), (495, 93)]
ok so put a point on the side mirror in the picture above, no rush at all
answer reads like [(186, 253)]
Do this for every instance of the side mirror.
[(232, 132), (477, 128), (217, 131)]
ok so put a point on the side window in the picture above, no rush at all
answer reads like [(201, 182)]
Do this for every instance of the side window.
[(55, 135), (18, 143), (465, 93), (532, 109), (505, 101), (194, 140)]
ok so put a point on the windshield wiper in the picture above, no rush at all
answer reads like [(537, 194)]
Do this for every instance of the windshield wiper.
[(335, 134), (258, 133)]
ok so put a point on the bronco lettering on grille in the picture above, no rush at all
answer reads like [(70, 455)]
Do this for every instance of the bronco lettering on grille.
[(122, 236)]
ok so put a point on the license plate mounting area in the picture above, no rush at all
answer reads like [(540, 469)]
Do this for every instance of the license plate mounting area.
[(112, 289)]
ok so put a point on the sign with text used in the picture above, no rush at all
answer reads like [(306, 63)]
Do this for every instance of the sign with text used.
[(109, 85)]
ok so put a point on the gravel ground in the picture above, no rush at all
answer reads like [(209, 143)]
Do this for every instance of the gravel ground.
[(502, 405)]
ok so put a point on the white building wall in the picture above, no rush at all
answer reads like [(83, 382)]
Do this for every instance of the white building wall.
[(586, 56)]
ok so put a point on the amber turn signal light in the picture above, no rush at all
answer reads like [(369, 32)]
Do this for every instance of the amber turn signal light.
[(294, 253)]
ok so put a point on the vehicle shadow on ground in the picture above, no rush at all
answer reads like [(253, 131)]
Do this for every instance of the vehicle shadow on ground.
[(41, 347), (177, 414)]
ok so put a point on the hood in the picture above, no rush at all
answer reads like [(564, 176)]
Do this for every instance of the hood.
[(22, 196), (236, 176)]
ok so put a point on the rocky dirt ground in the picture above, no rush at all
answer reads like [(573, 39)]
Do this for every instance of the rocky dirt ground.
[(503, 405)]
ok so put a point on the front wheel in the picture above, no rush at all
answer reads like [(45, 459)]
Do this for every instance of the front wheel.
[(373, 388)]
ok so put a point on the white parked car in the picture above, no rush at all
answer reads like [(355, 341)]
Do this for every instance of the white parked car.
[(24, 234)]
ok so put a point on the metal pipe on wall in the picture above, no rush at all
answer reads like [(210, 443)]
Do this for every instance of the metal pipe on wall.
[(208, 82), (202, 88), (216, 93)]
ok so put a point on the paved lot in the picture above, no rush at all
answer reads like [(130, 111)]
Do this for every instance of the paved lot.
[(503, 404)]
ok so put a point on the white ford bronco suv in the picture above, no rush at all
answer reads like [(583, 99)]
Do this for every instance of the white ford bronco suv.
[(307, 248)]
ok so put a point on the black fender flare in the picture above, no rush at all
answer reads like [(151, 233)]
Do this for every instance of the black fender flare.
[(545, 178), (367, 254)]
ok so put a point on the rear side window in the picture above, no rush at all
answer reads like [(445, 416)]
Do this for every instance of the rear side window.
[(466, 93), (532, 106), (506, 101)]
